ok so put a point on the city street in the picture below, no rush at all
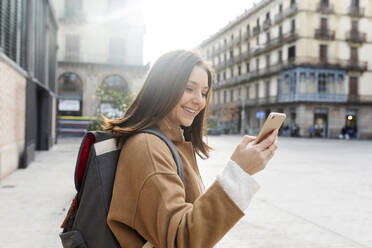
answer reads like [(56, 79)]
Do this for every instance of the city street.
[(315, 193)]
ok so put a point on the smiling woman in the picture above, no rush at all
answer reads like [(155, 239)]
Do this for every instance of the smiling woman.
[(152, 206)]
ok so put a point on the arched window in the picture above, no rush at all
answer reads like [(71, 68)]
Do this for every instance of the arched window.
[(69, 83), (115, 82)]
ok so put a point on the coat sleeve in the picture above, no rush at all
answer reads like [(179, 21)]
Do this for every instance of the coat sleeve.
[(149, 197)]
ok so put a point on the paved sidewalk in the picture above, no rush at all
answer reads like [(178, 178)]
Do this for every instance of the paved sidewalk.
[(315, 193)]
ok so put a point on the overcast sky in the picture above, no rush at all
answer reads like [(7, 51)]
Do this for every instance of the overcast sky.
[(175, 24)]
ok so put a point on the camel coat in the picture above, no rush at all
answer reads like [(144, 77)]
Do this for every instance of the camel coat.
[(150, 202)]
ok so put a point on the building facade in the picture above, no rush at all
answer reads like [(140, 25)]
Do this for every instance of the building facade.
[(100, 43), (28, 33), (309, 59)]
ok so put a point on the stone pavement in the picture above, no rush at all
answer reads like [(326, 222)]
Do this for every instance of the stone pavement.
[(314, 193)]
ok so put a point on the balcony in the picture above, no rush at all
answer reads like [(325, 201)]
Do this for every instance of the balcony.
[(325, 8), (266, 24), (355, 36), (286, 13), (355, 65), (356, 11), (230, 61), (324, 34), (312, 97), (256, 30), (276, 42)]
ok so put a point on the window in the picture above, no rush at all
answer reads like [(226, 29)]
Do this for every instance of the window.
[(231, 53), (293, 26), (247, 95), (69, 83), (258, 40), (247, 67), (355, 3), (256, 90), (73, 8), (280, 8), (231, 95), (248, 48), (268, 37), (224, 75), (322, 83), (267, 61), (323, 23), (232, 72), (354, 26), (72, 47), (323, 53), (224, 96), (10, 29), (353, 55), (268, 16), (293, 3), (117, 50), (258, 22), (280, 56), (218, 77), (353, 86), (219, 96), (257, 63), (280, 34), (267, 89), (232, 37), (325, 3), (291, 53), (224, 57), (248, 29), (239, 70)]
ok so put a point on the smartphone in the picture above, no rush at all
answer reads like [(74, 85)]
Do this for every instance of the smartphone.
[(273, 121)]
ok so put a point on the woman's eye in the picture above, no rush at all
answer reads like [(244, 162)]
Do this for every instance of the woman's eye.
[(189, 89), (205, 94)]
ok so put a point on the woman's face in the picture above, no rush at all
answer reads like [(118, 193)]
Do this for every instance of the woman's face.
[(193, 99)]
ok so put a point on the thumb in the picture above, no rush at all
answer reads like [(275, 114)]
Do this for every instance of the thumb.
[(247, 139)]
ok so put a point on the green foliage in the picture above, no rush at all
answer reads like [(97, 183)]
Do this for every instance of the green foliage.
[(110, 103)]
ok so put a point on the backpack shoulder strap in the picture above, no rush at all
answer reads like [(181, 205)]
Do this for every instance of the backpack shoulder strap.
[(157, 132)]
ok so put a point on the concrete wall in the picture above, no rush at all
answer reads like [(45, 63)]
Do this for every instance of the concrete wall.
[(12, 118)]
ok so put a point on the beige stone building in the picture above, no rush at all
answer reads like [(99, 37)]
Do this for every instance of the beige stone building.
[(309, 59), (100, 42)]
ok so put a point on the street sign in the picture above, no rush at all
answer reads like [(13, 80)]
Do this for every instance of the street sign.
[(260, 115)]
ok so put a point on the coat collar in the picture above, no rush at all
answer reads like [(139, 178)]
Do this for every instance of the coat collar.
[(171, 130)]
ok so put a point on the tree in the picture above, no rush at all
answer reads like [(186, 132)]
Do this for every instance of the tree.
[(110, 103)]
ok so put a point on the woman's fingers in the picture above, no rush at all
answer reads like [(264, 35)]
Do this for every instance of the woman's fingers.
[(247, 139), (263, 145)]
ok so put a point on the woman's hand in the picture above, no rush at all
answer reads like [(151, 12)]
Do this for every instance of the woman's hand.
[(253, 159)]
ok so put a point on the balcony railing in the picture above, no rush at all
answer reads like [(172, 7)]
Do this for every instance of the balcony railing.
[(356, 11), (324, 34), (276, 42), (330, 63), (256, 30), (286, 13), (355, 36), (267, 24), (325, 8), (313, 97)]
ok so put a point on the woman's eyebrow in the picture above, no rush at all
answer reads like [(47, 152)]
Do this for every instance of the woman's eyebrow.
[(191, 81)]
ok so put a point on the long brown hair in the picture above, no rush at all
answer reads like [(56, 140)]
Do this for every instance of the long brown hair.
[(160, 93)]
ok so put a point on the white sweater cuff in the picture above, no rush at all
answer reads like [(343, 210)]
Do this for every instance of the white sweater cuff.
[(238, 184)]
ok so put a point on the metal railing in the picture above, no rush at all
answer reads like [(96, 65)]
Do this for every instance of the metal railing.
[(286, 13), (356, 11), (325, 8), (266, 24), (324, 34), (355, 36)]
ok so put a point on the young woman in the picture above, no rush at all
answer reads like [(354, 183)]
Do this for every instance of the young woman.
[(150, 205)]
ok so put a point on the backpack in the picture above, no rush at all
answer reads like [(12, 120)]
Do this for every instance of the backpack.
[(85, 223)]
